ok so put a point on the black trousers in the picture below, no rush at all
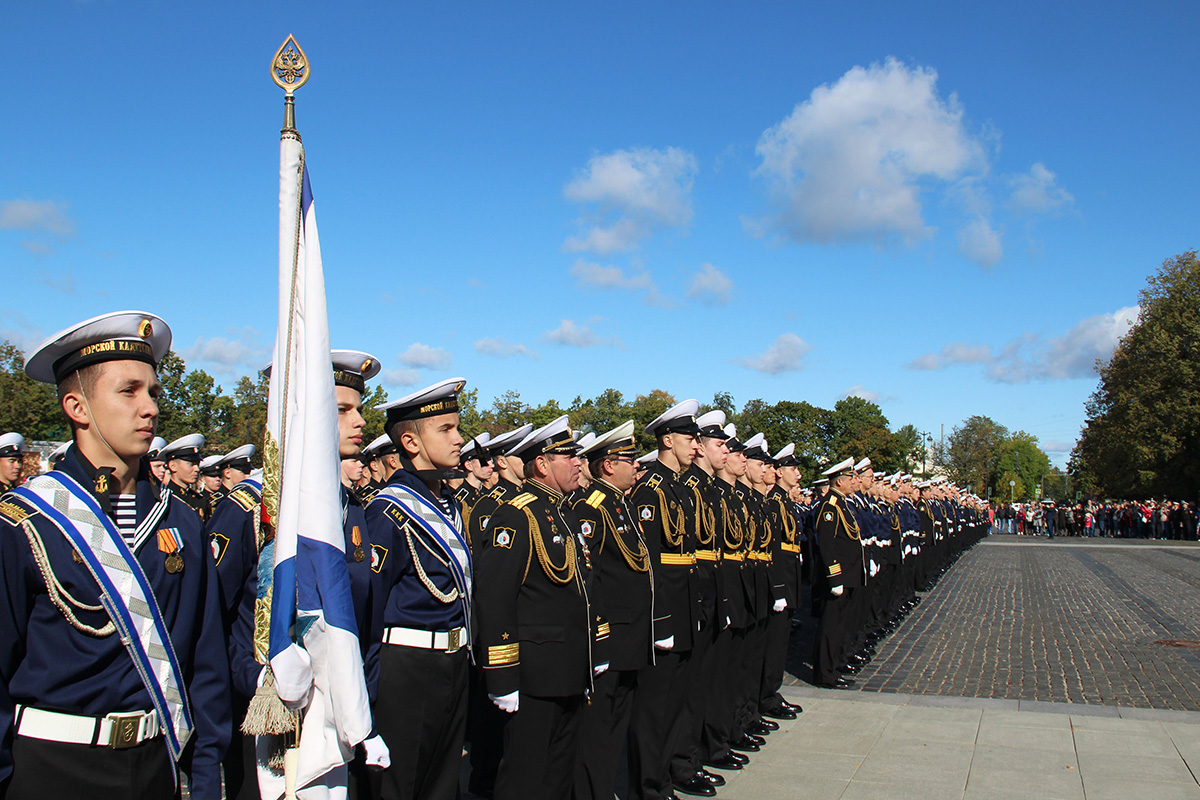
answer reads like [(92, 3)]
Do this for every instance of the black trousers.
[(540, 744), (749, 676), (241, 772), (49, 770), (605, 729), (779, 630), (658, 725), (485, 731), (692, 753), (831, 634), (718, 710), (421, 713)]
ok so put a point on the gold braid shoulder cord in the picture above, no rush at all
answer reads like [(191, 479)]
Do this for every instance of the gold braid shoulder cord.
[(567, 571), (849, 522), (57, 592), (706, 520), (677, 539), (732, 523), (638, 562), (442, 597), (789, 523)]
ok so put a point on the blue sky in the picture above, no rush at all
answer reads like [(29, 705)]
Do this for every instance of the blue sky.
[(949, 210)]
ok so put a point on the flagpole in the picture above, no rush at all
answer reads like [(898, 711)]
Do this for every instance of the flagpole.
[(289, 71)]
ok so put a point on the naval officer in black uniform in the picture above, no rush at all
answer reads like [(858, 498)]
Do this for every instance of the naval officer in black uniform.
[(182, 458), (149, 676), (839, 575), (536, 623)]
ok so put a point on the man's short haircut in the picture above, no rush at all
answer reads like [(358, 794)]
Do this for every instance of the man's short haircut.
[(83, 379), (401, 427)]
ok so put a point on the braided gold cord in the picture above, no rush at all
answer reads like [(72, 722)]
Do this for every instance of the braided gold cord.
[(638, 562), (539, 547)]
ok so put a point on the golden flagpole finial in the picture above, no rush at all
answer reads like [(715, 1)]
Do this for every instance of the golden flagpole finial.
[(289, 71)]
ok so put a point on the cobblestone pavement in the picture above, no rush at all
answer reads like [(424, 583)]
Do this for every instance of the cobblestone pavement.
[(1032, 619)]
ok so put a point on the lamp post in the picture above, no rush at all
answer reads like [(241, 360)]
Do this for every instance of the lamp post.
[(1011, 491), (928, 447)]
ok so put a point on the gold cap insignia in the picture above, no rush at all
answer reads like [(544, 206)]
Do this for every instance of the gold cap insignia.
[(145, 328), (366, 365)]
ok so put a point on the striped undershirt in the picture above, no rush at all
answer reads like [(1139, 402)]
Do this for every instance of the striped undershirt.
[(124, 507)]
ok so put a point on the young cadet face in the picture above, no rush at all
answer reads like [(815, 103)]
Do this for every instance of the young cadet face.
[(754, 470), (769, 476), (788, 476), (183, 472), (716, 451), (350, 421), (483, 472), (736, 465), (159, 470), (352, 470), (439, 442), (684, 447), (10, 469), (120, 408), (212, 482)]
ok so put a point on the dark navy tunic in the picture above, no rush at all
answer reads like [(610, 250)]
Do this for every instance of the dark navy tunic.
[(45, 663)]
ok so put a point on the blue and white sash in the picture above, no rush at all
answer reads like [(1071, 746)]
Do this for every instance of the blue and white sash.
[(442, 531), (125, 594)]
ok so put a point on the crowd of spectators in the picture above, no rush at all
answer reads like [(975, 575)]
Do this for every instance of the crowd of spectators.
[(1163, 519)]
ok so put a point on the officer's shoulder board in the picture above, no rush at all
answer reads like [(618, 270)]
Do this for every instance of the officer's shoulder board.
[(691, 481), (832, 500), (498, 493), (654, 480), (244, 498), (462, 493), (595, 499), (523, 499), (14, 513)]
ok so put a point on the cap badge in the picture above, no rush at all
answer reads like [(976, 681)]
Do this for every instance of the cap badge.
[(145, 329)]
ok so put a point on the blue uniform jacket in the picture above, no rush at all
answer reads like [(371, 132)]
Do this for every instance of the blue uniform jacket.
[(405, 601), (45, 663)]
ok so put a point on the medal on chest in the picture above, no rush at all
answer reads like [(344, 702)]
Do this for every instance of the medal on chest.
[(356, 540), (170, 543)]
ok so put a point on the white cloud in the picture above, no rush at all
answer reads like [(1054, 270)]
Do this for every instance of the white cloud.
[(635, 192), (1038, 192), (850, 162), (1058, 447), (18, 330), (785, 355), (502, 348), (858, 390), (34, 216), (1034, 357), (399, 377), (710, 286), (38, 248), (422, 356), (606, 277), (227, 356), (979, 242), (572, 334)]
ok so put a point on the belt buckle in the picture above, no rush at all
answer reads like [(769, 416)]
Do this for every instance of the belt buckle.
[(455, 640), (125, 730)]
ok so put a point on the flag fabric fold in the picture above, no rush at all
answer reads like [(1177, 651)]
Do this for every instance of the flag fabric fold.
[(314, 651)]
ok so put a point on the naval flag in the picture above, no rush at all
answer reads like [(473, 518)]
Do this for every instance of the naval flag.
[(314, 650)]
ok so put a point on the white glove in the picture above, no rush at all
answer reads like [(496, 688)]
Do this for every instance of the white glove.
[(377, 752), (293, 676), (666, 644), (728, 622), (508, 703), (836, 591), (874, 568), (601, 669), (780, 605)]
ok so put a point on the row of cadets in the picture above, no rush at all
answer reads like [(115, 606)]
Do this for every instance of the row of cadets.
[(102, 562), (485, 720), (733, 719), (423, 580), (244, 558), (479, 474), (12, 451), (623, 584), (538, 628), (661, 727)]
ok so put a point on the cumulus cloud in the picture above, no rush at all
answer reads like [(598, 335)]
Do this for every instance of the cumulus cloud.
[(399, 377), (1034, 357), (979, 242), (710, 286), (634, 193), (849, 163), (227, 356), (502, 348), (36, 216), (1038, 192), (785, 355), (1058, 447), (602, 276), (858, 390), (573, 334), (422, 356)]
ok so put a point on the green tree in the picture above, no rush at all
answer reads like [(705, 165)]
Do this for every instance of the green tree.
[(788, 421), (1142, 433), (971, 450), (857, 428), (1017, 457), (645, 409), (600, 414), (29, 407), (375, 420)]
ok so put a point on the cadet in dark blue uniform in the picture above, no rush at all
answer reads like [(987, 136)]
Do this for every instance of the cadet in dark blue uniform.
[(12, 448), (422, 567), (82, 713), (182, 458)]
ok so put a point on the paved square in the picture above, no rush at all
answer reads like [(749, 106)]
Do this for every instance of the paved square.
[(1032, 619)]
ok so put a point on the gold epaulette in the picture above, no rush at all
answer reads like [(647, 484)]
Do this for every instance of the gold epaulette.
[(14, 513), (595, 499), (523, 499), (832, 499), (243, 499)]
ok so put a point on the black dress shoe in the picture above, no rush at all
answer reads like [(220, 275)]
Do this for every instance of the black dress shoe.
[(730, 762), (782, 711), (745, 743), (696, 786), (792, 707), (741, 758), (712, 777), (757, 728), (840, 683), (769, 725), (849, 669)]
